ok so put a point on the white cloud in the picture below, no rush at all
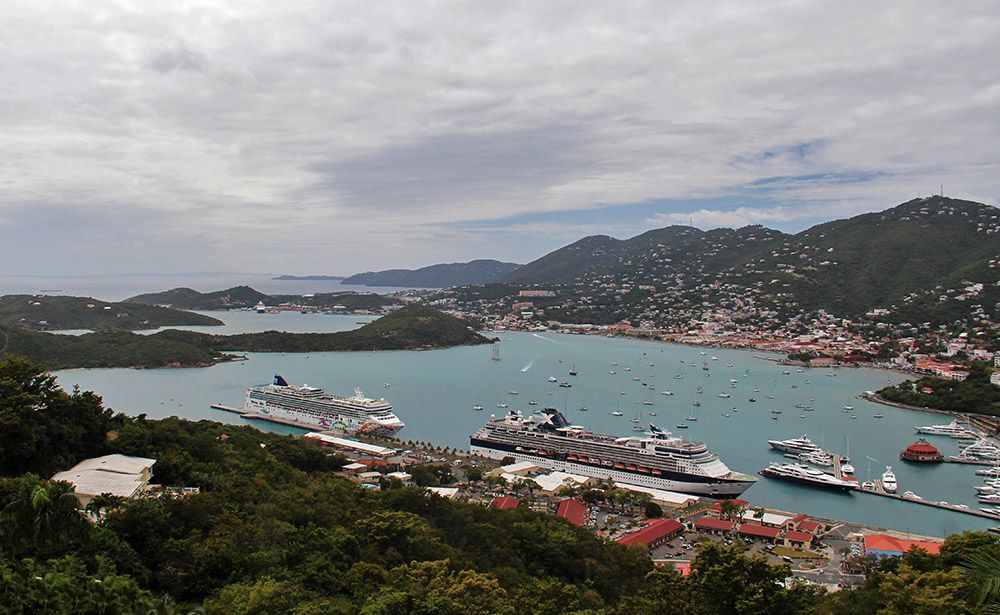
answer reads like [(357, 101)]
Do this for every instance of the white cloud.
[(307, 130)]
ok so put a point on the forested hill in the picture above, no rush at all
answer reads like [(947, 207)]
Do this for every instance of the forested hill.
[(51, 313), (846, 266), (436, 276), (240, 297), (410, 328), (276, 529)]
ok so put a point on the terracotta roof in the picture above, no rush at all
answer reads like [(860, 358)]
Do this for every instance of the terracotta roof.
[(503, 503), (759, 530), (922, 446), (708, 523), (799, 536), (883, 542), (653, 531), (683, 567), (808, 526), (572, 511)]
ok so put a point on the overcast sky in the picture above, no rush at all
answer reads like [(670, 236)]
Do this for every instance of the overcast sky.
[(335, 137)]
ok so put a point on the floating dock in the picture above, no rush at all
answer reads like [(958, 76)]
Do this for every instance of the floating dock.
[(952, 507)]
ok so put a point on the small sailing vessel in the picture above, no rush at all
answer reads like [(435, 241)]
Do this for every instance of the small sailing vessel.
[(496, 351)]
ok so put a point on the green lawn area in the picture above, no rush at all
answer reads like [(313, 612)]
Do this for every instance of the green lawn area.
[(795, 553)]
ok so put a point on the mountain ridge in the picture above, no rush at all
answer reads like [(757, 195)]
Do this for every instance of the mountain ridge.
[(442, 275)]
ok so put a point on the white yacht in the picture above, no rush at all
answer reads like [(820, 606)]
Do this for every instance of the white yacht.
[(889, 480), (794, 445), (982, 450), (951, 430), (800, 473)]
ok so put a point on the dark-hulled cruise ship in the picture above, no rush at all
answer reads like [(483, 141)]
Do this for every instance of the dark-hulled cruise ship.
[(657, 459), (314, 406)]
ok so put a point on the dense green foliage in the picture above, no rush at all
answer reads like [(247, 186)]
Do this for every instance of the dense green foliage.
[(846, 266), (411, 327), (276, 530), (245, 297), (974, 394), (55, 313), (436, 276)]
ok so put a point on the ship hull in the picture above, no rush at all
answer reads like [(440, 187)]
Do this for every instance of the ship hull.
[(700, 486), (330, 421)]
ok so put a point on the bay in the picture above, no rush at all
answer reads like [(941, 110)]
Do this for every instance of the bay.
[(434, 393)]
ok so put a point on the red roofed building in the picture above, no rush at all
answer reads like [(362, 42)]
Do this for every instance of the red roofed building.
[(713, 526), (922, 451), (759, 531), (883, 545), (684, 568), (572, 511), (798, 540), (655, 533), (803, 523), (505, 503)]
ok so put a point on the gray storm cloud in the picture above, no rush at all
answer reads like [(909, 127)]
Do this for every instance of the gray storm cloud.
[(368, 135)]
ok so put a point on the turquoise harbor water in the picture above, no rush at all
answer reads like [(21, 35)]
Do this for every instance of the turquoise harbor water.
[(434, 393)]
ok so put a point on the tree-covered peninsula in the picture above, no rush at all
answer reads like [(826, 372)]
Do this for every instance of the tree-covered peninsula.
[(410, 328), (275, 529), (53, 313)]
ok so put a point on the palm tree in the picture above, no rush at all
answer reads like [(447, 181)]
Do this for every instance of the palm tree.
[(44, 516), (984, 569)]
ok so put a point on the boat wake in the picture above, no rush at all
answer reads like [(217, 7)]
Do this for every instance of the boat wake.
[(527, 367), (542, 337)]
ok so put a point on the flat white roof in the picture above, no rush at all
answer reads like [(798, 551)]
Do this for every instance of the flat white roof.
[(445, 492), (122, 464), (669, 497), (354, 466), (97, 482), (400, 475), (373, 449), (554, 480), (520, 466), (768, 518)]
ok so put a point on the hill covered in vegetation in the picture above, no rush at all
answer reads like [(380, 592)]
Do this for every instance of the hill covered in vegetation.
[(846, 266), (275, 529), (974, 394), (241, 297), (436, 276), (410, 328), (52, 313)]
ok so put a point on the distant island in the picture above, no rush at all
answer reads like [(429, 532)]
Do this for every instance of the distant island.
[(241, 297), (413, 327), (436, 276), (322, 278), (46, 313)]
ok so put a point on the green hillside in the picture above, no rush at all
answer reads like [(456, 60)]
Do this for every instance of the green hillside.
[(437, 276), (846, 266), (240, 297), (48, 313), (412, 327)]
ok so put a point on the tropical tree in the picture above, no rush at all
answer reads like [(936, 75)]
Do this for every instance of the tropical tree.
[(43, 517)]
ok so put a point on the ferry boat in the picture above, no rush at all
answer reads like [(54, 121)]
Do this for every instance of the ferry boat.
[(889, 480), (657, 459), (795, 445), (952, 430), (313, 406), (799, 473)]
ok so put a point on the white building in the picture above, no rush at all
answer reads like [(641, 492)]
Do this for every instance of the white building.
[(995, 378), (117, 475)]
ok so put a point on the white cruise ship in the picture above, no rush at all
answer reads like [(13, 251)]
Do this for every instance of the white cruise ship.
[(656, 459), (795, 445), (952, 430), (313, 406), (799, 473)]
